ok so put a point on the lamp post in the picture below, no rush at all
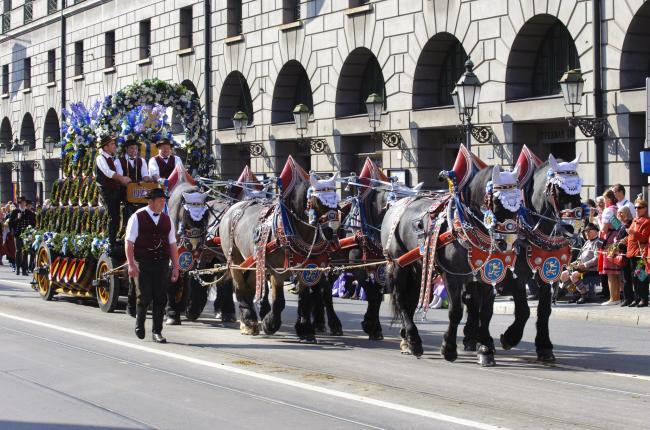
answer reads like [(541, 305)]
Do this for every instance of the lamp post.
[(374, 107), (3, 150), (572, 85), (240, 122), (17, 151), (301, 117), (465, 97)]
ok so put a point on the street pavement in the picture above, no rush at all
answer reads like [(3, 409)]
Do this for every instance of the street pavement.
[(66, 365)]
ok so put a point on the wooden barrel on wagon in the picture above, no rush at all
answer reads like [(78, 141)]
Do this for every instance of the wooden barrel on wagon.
[(59, 275), (69, 273), (54, 268), (84, 273), (46, 288)]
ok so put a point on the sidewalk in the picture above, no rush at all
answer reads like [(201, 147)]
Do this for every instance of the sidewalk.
[(586, 312)]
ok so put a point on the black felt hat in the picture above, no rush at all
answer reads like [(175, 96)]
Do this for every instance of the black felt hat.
[(155, 193)]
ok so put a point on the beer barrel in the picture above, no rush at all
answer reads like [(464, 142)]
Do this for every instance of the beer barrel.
[(54, 268), (69, 272), (63, 267), (84, 273)]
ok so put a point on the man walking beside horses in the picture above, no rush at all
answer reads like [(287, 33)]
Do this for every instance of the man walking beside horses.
[(150, 244)]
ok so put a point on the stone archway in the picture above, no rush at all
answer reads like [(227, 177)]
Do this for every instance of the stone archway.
[(360, 76), (542, 51), (439, 67), (28, 131), (635, 55), (6, 184), (235, 96)]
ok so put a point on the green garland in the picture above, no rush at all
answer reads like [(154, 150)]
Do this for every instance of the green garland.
[(83, 192), (77, 167), (93, 199), (74, 221), (67, 164), (63, 192), (83, 221), (28, 236), (73, 194), (54, 193), (96, 221), (88, 162), (88, 222)]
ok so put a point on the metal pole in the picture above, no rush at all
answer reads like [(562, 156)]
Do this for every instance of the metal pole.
[(599, 141), (468, 135)]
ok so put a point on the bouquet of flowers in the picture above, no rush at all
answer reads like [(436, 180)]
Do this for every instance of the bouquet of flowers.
[(639, 270)]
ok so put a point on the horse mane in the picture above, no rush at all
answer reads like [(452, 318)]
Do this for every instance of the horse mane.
[(475, 191), (175, 202), (535, 189)]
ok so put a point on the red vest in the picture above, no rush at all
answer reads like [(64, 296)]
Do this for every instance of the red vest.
[(165, 169), (133, 173), (103, 180), (152, 243)]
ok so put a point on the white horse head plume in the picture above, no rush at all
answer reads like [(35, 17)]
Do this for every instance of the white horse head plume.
[(505, 188), (324, 190), (564, 174), (195, 204)]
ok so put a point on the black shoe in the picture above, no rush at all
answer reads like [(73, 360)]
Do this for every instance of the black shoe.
[(158, 338), (139, 331), (228, 318), (633, 305), (626, 303), (581, 301), (574, 299), (130, 311), (642, 304), (172, 321)]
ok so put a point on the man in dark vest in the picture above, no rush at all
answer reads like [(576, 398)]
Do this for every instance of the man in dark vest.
[(150, 244), (109, 181), (19, 220), (162, 165), (135, 168)]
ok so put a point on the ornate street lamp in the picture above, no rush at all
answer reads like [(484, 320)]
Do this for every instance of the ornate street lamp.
[(465, 97), (374, 107), (49, 146), (572, 85), (17, 153), (301, 117), (3, 149), (240, 121)]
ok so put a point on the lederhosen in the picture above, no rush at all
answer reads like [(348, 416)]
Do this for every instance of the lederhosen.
[(110, 193), (165, 169), (151, 251)]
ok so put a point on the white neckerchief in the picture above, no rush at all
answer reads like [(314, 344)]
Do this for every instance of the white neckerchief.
[(571, 184), (327, 197), (510, 198)]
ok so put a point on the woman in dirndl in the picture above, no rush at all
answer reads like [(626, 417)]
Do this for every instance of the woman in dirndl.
[(606, 259)]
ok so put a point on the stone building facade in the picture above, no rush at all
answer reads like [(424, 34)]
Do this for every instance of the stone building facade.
[(264, 57)]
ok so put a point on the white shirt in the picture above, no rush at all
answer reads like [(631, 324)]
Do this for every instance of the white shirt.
[(102, 164), (153, 165), (629, 204), (143, 170), (132, 226)]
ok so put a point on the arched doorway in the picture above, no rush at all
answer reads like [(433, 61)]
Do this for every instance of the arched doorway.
[(28, 131), (635, 55), (28, 134), (292, 87), (361, 75), (542, 51), (51, 130), (439, 67), (6, 182), (235, 96)]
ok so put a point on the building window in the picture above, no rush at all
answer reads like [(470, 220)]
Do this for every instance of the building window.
[(51, 65), (52, 6), (5, 79), (451, 70), (290, 11), (27, 73), (357, 3), (79, 58), (186, 28), (28, 11), (372, 82), (234, 18), (6, 16), (145, 39), (556, 55), (109, 49)]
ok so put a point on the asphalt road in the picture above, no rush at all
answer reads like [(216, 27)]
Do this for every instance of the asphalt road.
[(66, 365)]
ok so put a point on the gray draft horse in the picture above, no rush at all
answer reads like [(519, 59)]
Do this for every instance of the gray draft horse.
[(293, 233)]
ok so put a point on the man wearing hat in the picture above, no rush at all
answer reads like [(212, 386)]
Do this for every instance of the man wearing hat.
[(583, 272), (110, 180), (162, 165), (135, 168), (20, 219), (150, 244)]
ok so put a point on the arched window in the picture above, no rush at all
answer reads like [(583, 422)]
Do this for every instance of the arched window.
[(556, 55), (635, 55), (360, 76), (439, 67), (6, 133), (235, 96), (51, 127), (291, 88), (28, 131), (542, 51)]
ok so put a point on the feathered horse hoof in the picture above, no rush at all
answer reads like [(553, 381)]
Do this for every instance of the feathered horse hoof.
[(249, 330), (546, 356), (485, 357)]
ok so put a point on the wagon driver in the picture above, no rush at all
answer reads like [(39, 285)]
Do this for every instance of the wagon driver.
[(162, 165), (135, 168), (110, 180), (150, 244)]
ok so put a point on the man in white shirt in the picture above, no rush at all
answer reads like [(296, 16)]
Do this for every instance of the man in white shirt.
[(619, 193), (150, 244), (162, 165), (109, 181)]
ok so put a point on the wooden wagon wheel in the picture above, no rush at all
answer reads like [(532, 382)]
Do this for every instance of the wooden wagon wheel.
[(46, 288), (108, 288)]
